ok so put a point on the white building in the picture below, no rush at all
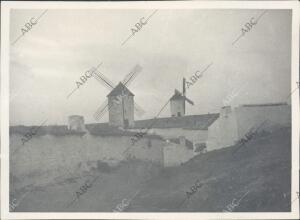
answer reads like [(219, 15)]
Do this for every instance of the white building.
[(194, 128), (233, 124)]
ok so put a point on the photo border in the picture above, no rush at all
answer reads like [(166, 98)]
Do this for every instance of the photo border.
[(5, 43)]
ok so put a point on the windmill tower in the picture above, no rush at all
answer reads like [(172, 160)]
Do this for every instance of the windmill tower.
[(121, 106), (76, 123), (120, 101), (178, 100)]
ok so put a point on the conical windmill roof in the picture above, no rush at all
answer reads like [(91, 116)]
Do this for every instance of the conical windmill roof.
[(119, 90), (177, 96)]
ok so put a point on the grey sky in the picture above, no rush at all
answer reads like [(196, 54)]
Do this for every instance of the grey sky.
[(48, 60)]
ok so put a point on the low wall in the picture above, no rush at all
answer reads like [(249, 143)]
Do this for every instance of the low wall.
[(47, 153), (175, 155), (148, 150)]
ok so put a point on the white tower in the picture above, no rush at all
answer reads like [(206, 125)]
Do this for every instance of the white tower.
[(177, 102)]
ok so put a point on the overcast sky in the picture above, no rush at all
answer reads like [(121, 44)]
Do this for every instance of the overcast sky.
[(48, 60)]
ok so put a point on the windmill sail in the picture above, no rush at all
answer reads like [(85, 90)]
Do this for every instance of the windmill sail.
[(183, 87), (183, 92), (189, 101)]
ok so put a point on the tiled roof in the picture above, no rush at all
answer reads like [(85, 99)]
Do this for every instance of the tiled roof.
[(195, 122), (119, 90), (104, 129), (99, 129), (192, 122), (177, 96), (265, 104), (57, 130)]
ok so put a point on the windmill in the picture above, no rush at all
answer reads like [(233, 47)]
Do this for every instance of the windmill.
[(177, 101), (118, 97)]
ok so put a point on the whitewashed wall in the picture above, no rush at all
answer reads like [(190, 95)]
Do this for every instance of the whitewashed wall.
[(196, 136), (177, 106), (115, 112), (175, 154), (231, 127), (45, 153), (223, 132), (248, 117), (148, 150)]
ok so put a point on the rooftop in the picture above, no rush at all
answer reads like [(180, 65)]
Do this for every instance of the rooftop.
[(177, 96), (192, 122), (265, 104), (120, 89)]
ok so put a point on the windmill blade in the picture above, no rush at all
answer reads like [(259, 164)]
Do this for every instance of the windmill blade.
[(138, 110), (131, 76), (101, 110), (183, 92), (102, 79), (183, 87), (189, 101)]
